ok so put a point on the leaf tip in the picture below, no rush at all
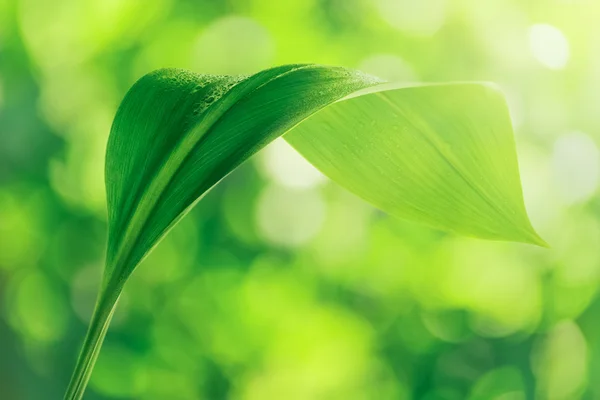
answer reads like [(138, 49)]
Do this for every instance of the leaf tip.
[(537, 240), (528, 235)]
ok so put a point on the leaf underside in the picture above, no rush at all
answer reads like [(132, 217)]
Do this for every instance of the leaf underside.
[(443, 155)]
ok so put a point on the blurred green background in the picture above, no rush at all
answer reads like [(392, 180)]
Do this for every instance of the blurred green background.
[(281, 285)]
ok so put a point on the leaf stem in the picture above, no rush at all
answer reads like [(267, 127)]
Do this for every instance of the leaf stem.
[(103, 312)]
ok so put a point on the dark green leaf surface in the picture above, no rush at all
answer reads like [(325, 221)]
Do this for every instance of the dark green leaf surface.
[(176, 134)]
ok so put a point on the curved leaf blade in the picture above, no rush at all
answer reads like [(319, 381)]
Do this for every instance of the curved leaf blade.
[(440, 154), (443, 155)]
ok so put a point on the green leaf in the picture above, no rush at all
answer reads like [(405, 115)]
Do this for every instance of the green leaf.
[(441, 154)]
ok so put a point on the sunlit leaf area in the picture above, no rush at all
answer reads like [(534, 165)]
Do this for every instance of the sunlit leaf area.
[(281, 283)]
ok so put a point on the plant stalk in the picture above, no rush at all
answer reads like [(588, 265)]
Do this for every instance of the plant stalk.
[(103, 312)]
